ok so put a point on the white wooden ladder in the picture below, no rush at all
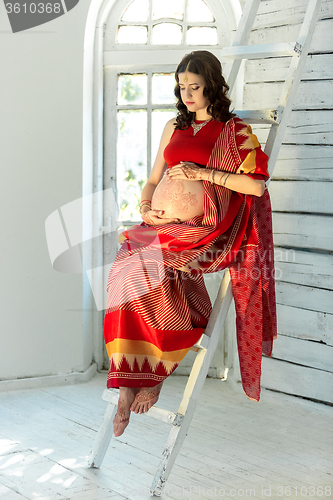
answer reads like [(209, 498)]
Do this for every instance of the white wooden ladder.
[(278, 119)]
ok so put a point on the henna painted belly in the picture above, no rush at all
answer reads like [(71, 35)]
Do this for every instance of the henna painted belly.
[(179, 198)]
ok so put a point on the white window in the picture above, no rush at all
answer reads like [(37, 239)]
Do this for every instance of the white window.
[(145, 102), (171, 22)]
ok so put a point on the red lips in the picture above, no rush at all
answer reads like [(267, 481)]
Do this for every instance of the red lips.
[(188, 103)]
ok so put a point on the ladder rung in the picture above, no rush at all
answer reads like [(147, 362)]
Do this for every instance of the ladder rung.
[(202, 342), (261, 51), (111, 396), (169, 417), (258, 116)]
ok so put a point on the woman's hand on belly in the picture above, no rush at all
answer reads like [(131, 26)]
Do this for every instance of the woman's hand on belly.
[(187, 171), (179, 198), (155, 218)]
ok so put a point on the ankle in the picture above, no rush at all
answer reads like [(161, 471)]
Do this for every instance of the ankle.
[(126, 391)]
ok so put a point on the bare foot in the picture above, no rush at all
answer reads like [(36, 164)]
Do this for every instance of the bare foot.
[(121, 420), (146, 398)]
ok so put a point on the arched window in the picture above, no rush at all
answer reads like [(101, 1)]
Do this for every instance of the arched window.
[(144, 40), (168, 23)]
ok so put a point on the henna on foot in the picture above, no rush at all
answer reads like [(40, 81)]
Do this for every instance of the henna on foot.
[(121, 420), (146, 398)]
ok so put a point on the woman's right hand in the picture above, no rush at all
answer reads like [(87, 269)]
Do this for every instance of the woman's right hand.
[(154, 218)]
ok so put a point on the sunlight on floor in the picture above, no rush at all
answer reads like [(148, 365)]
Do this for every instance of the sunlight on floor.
[(48, 460)]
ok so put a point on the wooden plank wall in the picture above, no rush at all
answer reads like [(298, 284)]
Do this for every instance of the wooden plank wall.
[(302, 201)]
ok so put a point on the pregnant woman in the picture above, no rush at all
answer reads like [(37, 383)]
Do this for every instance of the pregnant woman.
[(205, 207)]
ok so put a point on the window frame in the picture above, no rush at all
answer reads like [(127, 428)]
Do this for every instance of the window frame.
[(220, 9), (110, 118)]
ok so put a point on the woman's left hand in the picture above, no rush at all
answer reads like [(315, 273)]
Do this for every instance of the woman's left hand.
[(185, 171)]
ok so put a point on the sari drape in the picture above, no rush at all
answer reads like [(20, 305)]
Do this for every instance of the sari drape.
[(158, 305)]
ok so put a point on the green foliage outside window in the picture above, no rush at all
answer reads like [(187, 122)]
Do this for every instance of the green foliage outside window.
[(129, 206)]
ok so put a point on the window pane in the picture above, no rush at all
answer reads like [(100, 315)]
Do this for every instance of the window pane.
[(202, 36), (132, 34), (136, 11), (131, 161), (198, 11), (163, 85), (159, 119), (132, 89), (168, 8), (167, 34)]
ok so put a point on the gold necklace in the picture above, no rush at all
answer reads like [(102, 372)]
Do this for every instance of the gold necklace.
[(198, 126)]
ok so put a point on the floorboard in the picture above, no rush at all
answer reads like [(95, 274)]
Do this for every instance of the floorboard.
[(278, 448)]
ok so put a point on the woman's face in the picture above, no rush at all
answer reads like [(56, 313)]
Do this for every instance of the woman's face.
[(191, 91)]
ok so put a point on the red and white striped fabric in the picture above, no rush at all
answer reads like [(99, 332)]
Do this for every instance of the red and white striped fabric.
[(158, 306)]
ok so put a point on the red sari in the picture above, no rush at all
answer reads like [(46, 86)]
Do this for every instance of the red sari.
[(158, 306)]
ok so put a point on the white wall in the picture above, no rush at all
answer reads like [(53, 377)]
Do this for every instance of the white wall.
[(41, 330)]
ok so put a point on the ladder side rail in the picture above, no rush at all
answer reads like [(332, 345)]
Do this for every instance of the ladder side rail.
[(246, 21), (242, 35), (193, 387), (291, 84), (103, 438), (219, 301), (204, 357)]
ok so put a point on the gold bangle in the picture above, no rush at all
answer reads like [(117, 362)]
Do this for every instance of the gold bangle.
[(211, 175)]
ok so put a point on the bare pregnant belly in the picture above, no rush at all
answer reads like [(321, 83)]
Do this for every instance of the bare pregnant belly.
[(180, 199)]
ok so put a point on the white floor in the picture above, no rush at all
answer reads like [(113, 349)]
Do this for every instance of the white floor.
[(281, 447)]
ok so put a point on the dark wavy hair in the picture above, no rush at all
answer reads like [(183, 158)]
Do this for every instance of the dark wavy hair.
[(205, 64)]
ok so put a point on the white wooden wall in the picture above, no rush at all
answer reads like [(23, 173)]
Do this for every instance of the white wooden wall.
[(302, 201)]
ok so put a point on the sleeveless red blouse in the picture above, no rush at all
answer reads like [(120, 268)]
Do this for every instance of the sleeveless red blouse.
[(184, 146)]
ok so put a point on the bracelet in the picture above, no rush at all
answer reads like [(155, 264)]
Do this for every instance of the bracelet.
[(144, 205), (211, 177), (143, 201), (221, 178), (225, 180)]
